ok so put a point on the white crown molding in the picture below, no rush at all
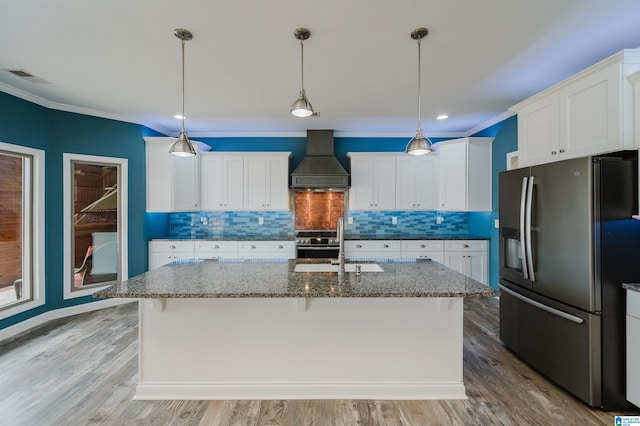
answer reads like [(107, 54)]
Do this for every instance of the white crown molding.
[(495, 120)]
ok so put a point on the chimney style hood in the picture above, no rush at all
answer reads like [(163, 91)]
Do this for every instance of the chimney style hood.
[(320, 168)]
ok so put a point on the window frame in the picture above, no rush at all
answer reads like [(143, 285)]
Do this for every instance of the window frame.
[(33, 239), (122, 163)]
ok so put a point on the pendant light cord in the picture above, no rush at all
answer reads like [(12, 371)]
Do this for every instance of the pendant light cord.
[(419, 85), (183, 85), (301, 66)]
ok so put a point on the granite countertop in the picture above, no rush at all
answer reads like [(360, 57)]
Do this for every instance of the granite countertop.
[(632, 286), (249, 279)]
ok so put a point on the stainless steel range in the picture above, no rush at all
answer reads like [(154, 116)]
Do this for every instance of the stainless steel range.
[(317, 244)]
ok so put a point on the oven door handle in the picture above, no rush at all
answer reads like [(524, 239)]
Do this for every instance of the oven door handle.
[(317, 248)]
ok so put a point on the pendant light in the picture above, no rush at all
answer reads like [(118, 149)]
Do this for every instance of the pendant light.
[(183, 146), (302, 107), (420, 144)]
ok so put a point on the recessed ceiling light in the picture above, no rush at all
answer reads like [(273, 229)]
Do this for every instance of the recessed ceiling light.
[(442, 117), (179, 117)]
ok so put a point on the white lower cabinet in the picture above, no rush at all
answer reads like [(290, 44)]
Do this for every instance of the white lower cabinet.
[(469, 257), (266, 249), (216, 250), (633, 347), (377, 249), (423, 249), (163, 252)]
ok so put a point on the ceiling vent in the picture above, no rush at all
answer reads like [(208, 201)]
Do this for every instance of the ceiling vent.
[(29, 77)]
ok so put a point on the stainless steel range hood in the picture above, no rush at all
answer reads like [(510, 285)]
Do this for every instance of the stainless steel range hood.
[(320, 168)]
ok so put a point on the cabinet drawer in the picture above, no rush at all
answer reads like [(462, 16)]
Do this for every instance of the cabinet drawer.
[(267, 249), (633, 303), (436, 256), (465, 245), (171, 246), (216, 254), (422, 245), (216, 246), (372, 245)]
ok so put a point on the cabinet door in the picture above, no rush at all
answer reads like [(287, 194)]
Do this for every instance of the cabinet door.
[(361, 192), (186, 183), (426, 182), (538, 131), (406, 183), (159, 184), (278, 182), (453, 177), (471, 264), (255, 184), (590, 115), (384, 182), (222, 182)]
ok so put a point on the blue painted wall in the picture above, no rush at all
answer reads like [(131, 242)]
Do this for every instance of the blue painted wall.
[(482, 223), (26, 124)]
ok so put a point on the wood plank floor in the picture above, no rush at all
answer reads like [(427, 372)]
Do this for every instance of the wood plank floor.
[(82, 371)]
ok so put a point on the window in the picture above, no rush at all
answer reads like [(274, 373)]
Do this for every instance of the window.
[(95, 223), (21, 229)]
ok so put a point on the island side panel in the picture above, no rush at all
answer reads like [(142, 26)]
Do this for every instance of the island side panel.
[(279, 348)]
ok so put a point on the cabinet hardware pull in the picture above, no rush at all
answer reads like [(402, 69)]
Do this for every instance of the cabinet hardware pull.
[(561, 151), (386, 246), (553, 153), (253, 247), (172, 247), (217, 246), (358, 246), (280, 247), (422, 246), (466, 246)]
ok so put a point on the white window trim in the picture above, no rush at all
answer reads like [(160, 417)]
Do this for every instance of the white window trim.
[(123, 219), (37, 234)]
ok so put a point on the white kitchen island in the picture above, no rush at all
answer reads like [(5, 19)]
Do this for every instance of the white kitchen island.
[(258, 330)]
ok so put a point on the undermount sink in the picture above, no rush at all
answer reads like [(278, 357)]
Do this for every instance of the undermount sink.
[(328, 267)]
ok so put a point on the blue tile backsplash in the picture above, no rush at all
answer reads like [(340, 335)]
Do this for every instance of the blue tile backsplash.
[(279, 224), (379, 224)]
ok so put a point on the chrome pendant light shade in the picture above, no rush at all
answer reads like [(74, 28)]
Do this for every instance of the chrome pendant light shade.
[(302, 107), (183, 146), (420, 144)]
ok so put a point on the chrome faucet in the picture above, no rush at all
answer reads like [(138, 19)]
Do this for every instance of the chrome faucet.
[(340, 235)]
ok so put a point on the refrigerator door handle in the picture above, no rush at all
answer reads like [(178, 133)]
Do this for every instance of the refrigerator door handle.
[(529, 251), (539, 305), (523, 247)]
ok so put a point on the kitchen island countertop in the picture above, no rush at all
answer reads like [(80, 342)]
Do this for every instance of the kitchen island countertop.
[(631, 286), (277, 279)]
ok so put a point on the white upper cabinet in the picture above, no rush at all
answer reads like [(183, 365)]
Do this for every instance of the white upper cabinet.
[(587, 114), (373, 181), (173, 183), (416, 182), (266, 181), (465, 174), (222, 181)]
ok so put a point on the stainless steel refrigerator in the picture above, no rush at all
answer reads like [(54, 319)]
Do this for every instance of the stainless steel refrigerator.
[(567, 242)]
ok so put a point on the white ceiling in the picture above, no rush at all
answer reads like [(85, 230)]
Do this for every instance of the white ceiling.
[(120, 59)]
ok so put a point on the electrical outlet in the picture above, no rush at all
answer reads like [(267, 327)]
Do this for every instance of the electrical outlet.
[(496, 224), (439, 220), (260, 220), (394, 220), (350, 220)]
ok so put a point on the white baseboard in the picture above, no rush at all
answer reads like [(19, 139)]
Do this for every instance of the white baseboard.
[(271, 390), (26, 325)]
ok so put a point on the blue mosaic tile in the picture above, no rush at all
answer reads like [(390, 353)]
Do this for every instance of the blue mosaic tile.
[(231, 225), (279, 224)]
